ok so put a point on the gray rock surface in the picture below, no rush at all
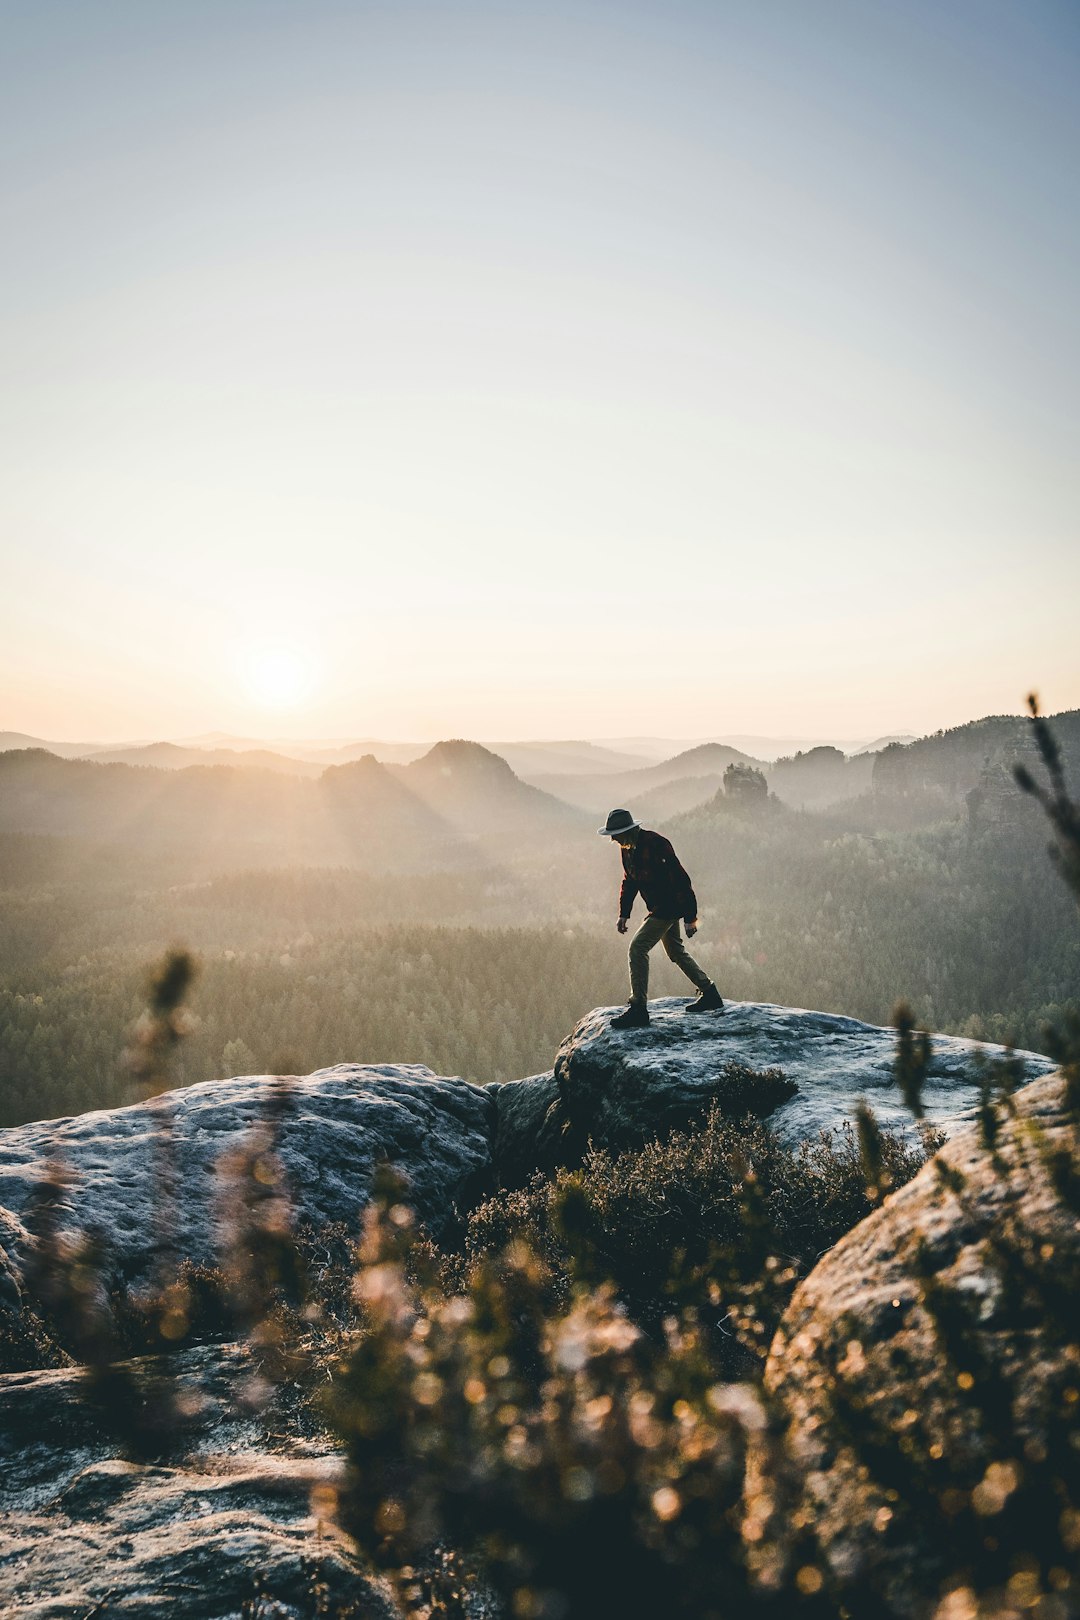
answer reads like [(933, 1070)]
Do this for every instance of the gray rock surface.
[(922, 1381), (451, 1139), (619, 1087), (529, 1130), (193, 1535), (336, 1126)]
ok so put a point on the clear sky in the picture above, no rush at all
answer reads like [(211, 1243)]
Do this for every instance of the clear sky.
[(537, 369)]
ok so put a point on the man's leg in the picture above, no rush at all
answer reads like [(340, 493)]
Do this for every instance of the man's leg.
[(650, 932), (709, 998), (678, 953)]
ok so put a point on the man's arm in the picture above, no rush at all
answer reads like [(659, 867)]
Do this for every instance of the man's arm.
[(627, 895)]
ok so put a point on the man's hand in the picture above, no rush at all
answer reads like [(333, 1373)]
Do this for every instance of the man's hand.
[(621, 925), (691, 929)]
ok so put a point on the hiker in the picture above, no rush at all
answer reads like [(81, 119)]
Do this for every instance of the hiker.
[(651, 868)]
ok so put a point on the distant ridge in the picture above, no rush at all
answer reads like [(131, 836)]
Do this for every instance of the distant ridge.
[(173, 757), (879, 743), (458, 804), (476, 790), (704, 764), (952, 763), (65, 750), (529, 757), (762, 748)]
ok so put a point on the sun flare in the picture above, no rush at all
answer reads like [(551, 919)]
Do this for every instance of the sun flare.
[(278, 677)]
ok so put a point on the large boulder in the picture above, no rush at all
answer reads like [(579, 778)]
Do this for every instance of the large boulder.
[(332, 1129), (929, 1367), (618, 1088), (203, 1532), (530, 1130)]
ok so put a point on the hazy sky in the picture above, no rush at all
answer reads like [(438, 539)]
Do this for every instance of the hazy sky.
[(537, 369)]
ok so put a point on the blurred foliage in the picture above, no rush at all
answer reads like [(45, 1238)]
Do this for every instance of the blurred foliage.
[(583, 1466)]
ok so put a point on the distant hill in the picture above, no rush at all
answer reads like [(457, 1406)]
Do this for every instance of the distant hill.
[(65, 750), (673, 798), (526, 759), (317, 751), (879, 743), (652, 750), (213, 815), (478, 794), (967, 769), (950, 764), (387, 753), (173, 757), (705, 765), (459, 804), (535, 759), (820, 777)]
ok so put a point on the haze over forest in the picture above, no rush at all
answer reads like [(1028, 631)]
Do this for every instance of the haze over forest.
[(454, 906)]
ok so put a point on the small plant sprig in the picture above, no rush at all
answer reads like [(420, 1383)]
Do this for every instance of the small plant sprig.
[(1061, 809), (914, 1051), (1063, 813)]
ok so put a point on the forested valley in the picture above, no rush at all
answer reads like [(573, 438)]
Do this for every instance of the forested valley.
[(480, 968)]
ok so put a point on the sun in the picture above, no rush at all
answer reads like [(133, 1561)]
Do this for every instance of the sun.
[(279, 676)]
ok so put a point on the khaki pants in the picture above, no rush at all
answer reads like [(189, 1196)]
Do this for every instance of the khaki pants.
[(652, 931)]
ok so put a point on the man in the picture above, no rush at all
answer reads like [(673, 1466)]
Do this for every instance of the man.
[(651, 868)]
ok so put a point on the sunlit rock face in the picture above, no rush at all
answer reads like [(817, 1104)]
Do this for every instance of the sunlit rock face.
[(618, 1088), (213, 1525), (927, 1369), (13, 1238), (334, 1127)]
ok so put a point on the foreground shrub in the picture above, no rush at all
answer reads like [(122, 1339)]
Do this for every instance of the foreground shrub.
[(742, 1090), (583, 1466), (724, 1218)]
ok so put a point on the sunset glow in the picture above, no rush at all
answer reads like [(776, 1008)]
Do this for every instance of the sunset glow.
[(581, 370), (278, 677)]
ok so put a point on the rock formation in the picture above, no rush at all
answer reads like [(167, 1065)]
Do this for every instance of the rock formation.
[(617, 1088), (930, 1393), (335, 1127), (195, 1534), (454, 1141)]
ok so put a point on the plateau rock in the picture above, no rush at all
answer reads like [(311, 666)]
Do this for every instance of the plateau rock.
[(617, 1088), (333, 1129)]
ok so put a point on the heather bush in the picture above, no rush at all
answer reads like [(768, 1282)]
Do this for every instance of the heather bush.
[(724, 1218), (580, 1465)]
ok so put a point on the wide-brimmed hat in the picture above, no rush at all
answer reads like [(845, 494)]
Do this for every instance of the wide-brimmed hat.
[(618, 821)]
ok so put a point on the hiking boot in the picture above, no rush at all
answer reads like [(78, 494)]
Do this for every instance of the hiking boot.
[(635, 1017), (709, 1000)]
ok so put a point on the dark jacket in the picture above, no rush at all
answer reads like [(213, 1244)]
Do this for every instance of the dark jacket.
[(651, 868)]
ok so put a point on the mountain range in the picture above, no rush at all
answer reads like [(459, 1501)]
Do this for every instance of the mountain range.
[(460, 804)]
